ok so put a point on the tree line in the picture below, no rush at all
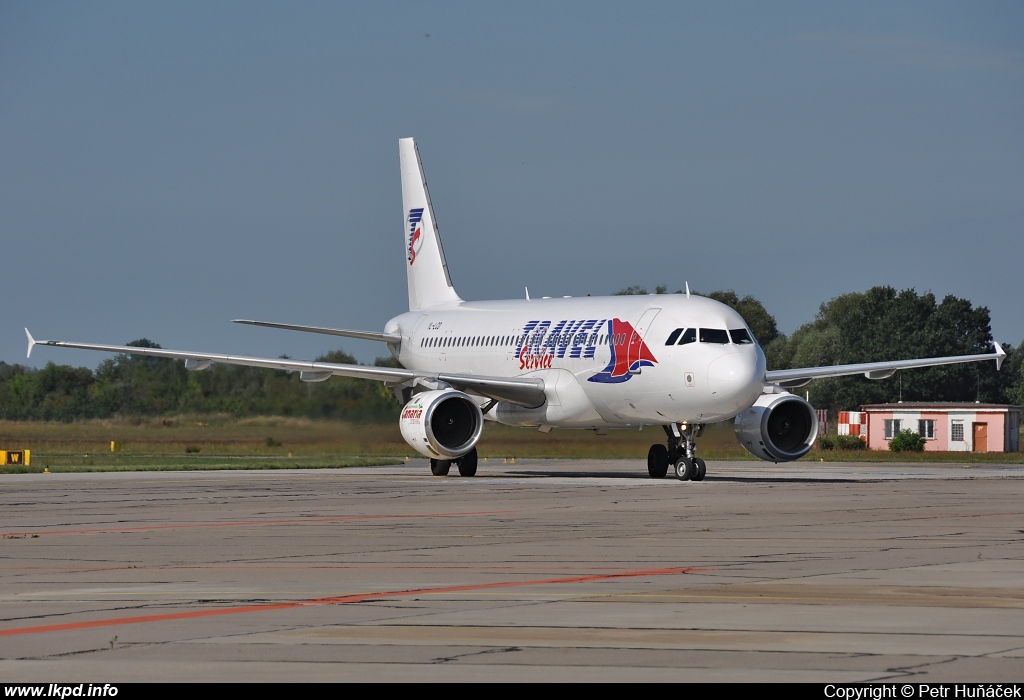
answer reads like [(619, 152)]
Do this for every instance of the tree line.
[(127, 385), (876, 325)]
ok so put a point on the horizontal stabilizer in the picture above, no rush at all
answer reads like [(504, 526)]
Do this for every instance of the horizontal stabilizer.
[(363, 335)]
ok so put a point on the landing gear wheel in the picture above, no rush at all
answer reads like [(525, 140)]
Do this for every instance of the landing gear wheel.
[(700, 469), (657, 461), (685, 469), (467, 463), (440, 467)]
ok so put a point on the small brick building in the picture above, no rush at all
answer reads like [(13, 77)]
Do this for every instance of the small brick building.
[(952, 427)]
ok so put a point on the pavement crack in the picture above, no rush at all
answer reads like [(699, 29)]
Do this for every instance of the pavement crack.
[(482, 652)]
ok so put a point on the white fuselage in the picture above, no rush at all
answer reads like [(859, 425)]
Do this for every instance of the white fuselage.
[(605, 361)]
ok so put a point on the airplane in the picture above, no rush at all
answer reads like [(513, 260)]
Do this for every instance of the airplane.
[(677, 360)]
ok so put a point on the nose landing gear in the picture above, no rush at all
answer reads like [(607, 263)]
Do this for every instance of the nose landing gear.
[(680, 452)]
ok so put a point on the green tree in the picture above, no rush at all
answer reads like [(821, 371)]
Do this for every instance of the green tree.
[(140, 385), (1014, 367), (63, 393), (883, 324), (17, 389), (762, 324)]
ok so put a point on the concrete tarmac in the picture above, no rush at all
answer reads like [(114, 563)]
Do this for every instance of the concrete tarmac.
[(542, 570)]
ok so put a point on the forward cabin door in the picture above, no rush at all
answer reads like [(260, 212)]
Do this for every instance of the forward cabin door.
[(637, 341)]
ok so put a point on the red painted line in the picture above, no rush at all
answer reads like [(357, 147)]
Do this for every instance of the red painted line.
[(308, 567), (337, 600), (246, 523)]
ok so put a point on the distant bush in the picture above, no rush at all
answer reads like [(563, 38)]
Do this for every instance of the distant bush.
[(907, 441), (850, 442), (840, 442)]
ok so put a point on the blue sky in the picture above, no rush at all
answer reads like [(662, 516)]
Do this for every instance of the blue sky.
[(166, 167)]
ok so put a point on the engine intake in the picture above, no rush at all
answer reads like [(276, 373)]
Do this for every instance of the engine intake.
[(443, 424), (778, 427)]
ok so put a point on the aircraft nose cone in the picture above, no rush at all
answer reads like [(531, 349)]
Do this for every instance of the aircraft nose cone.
[(732, 376)]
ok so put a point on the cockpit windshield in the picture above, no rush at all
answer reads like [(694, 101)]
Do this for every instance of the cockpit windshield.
[(714, 335), (740, 336)]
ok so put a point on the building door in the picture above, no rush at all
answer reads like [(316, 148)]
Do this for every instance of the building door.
[(981, 437)]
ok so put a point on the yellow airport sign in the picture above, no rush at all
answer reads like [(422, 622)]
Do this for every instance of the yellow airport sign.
[(16, 457)]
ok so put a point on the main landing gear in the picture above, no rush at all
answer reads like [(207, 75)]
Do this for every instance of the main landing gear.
[(679, 452), (466, 464)]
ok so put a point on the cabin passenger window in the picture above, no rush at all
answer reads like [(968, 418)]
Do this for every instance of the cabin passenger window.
[(741, 337), (714, 335)]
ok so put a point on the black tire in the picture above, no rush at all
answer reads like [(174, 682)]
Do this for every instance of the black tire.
[(684, 469), (467, 463), (700, 469), (440, 467), (657, 461)]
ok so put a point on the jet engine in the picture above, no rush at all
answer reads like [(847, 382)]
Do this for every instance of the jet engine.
[(443, 424), (778, 427)]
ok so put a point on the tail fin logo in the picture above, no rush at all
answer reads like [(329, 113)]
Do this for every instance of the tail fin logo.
[(629, 354), (415, 233)]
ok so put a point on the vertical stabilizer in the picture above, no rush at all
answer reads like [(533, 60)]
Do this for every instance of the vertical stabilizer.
[(429, 283)]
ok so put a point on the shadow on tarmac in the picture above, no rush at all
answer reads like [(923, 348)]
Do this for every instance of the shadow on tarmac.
[(579, 474)]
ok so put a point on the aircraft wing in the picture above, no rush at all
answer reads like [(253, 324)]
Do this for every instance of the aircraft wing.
[(363, 335), (523, 391), (791, 378)]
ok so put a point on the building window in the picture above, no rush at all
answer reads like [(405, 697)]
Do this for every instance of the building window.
[(926, 429), (956, 432), (892, 428)]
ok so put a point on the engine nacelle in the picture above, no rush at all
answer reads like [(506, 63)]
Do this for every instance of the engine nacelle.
[(443, 424), (778, 427)]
